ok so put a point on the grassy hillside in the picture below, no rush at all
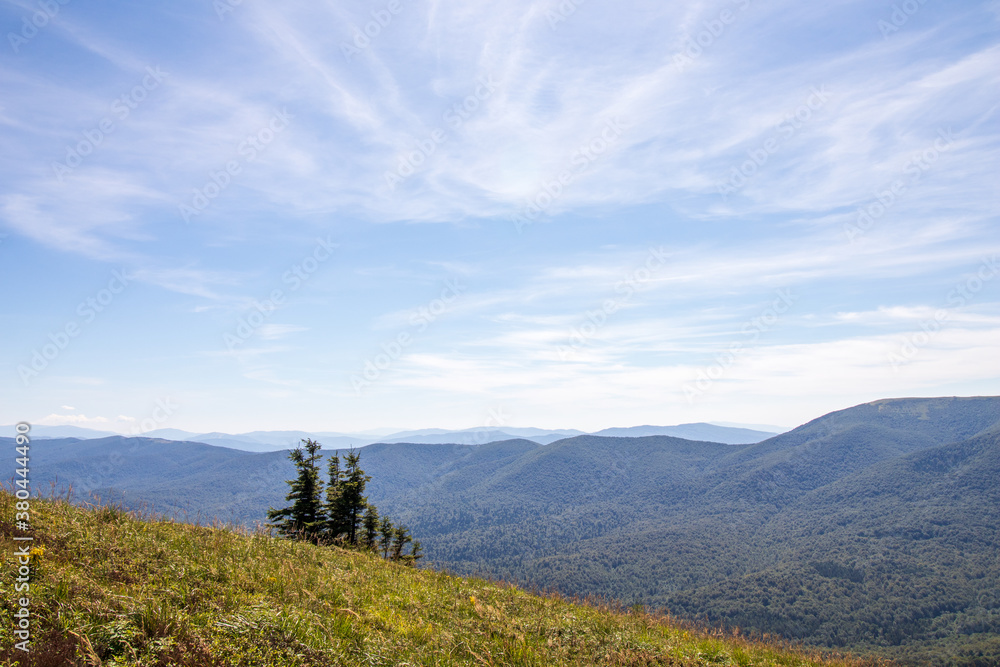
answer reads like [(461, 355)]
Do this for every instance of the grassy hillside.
[(111, 589), (871, 529)]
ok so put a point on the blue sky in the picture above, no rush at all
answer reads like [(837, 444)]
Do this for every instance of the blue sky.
[(347, 216)]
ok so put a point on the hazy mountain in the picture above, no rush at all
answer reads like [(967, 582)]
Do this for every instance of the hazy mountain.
[(532, 432), (475, 437), (258, 441), (241, 444), (767, 428), (268, 441), (169, 434), (697, 431), (479, 437), (516, 432), (42, 431)]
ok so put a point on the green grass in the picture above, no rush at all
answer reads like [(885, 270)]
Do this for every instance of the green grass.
[(111, 588)]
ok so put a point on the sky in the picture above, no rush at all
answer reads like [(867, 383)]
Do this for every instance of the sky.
[(237, 215)]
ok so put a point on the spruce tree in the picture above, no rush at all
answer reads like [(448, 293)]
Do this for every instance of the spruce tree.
[(351, 501), (416, 553), (346, 517), (304, 519), (401, 537), (336, 525), (371, 525), (386, 530)]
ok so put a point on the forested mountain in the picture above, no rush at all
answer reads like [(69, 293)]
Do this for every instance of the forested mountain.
[(904, 549), (872, 528)]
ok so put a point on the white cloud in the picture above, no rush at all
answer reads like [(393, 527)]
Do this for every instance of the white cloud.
[(75, 420), (554, 96), (352, 120)]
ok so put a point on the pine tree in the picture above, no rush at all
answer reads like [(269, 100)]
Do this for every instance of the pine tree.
[(371, 525), (416, 553), (386, 530), (304, 518), (346, 517), (336, 525), (351, 501), (401, 537)]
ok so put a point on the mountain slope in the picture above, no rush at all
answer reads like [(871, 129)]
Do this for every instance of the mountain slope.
[(107, 588), (900, 555), (943, 420)]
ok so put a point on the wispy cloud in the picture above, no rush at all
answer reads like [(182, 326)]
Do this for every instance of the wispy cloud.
[(751, 157)]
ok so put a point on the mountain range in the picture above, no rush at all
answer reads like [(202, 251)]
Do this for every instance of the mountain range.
[(872, 529), (268, 441)]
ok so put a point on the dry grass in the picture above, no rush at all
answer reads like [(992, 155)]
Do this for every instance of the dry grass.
[(112, 588)]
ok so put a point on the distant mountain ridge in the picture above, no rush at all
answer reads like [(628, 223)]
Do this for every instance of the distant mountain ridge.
[(268, 441), (697, 431)]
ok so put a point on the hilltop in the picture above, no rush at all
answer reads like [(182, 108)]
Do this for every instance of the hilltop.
[(111, 588)]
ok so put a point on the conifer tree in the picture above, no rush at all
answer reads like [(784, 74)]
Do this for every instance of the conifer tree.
[(416, 553), (346, 517), (336, 524), (386, 531), (304, 518), (371, 526), (401, 537), (351, 501)]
